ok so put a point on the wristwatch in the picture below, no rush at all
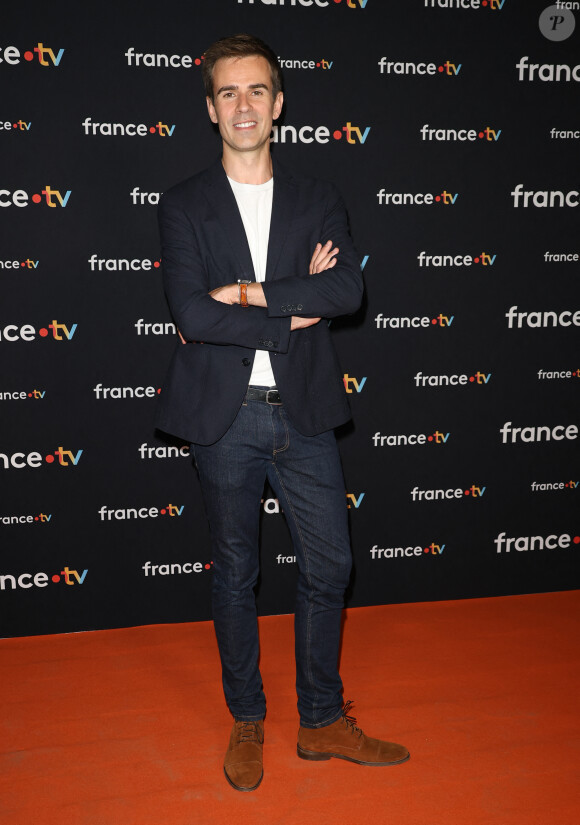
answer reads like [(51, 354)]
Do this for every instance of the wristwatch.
[(243, 292)]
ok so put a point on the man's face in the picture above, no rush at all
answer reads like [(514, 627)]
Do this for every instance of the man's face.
[(243, 105)]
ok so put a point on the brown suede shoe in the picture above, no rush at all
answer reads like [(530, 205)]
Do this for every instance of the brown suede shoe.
[(344, 740), (243, 762)]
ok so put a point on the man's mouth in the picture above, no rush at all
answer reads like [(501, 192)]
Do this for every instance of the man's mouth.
[(247, 124)]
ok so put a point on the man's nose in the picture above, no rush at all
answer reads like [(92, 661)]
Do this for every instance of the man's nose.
[(243, 102)]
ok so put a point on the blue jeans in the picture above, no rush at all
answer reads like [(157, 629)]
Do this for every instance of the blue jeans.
[(306, 475)]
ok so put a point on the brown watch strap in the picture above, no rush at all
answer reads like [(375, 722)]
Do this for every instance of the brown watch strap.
[(244, 295)]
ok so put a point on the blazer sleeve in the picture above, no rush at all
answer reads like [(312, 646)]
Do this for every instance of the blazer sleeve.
[(198, 316), (334, 292)]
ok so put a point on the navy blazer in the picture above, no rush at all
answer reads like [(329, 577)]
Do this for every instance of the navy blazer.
[(204, 246)]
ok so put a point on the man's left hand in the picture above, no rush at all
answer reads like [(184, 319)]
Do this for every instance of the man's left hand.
[(323, 257)]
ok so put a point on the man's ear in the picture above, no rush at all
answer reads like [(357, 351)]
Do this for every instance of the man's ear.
[(278, 103), (211, 110)]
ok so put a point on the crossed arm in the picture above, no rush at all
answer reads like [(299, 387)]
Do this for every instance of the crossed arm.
[(323, 257), (212, 316)]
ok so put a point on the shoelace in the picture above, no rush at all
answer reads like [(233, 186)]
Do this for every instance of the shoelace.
[(250, 732), (350, 720)]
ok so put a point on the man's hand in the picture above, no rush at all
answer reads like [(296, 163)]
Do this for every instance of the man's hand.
[(301, 323), (323, 257), (227, 294)]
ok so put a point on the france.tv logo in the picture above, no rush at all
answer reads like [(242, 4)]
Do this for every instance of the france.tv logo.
[(48, 196), (41, 54), (353, 135), (322, 4), (27, 332)]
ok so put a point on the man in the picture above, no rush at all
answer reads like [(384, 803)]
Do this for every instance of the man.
[(253, 258)]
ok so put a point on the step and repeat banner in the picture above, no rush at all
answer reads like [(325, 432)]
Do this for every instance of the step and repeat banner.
[(452, 128)]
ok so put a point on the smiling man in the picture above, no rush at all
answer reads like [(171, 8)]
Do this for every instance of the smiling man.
[(254, 258)]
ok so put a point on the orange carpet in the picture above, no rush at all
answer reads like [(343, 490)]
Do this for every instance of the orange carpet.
[(128, 727)]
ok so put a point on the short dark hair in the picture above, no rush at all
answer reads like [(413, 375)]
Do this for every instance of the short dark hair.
[(239, 45)]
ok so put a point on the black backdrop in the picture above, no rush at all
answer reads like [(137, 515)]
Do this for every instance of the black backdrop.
[(462, 463)]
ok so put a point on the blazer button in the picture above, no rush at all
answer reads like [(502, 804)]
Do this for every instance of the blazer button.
[(246, 362)]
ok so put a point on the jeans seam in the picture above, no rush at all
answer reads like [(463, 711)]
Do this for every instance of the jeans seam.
[(287, 441), (308, 579)]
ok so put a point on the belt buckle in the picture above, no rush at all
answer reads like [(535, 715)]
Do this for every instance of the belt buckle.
[(268, 397)]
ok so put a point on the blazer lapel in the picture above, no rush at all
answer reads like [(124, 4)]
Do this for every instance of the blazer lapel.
[(283, 207), (219, 193)]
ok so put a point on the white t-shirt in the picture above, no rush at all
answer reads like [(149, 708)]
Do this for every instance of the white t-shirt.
[(255, 205)]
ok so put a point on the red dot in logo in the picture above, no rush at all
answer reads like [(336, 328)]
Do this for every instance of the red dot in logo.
[(49, 459), (318, 65), (197, 61), (429, 438), (426, 550), (480, 135), (434, 320), (43, 332), (440, 69), (152, 129), (157, 264), (36, 198), (159, 391), (35, 518), (566, 485), (56, 578), (163, 511), (337, 135), (437, 197), (466, 492), (22, 264), (14, 125), (576, 539), (471, 378), (476, 260), (484, 3), (30, 395), (28, 56), (337, 1), (207, 566)]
